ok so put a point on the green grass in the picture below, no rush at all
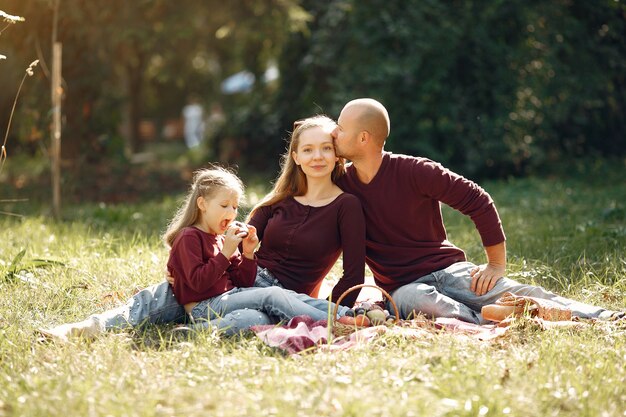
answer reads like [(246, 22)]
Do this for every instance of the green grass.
[(569, 236)]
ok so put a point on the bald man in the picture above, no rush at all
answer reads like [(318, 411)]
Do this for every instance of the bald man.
[(407, 247)]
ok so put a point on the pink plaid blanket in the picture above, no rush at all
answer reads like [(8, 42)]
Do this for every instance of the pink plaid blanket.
[(303, 334)]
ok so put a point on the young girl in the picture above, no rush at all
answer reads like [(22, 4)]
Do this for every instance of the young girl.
[(212, 277)]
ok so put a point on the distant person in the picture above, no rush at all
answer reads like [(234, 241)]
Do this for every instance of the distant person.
[(407, 247), (193, 115), (215, 121)]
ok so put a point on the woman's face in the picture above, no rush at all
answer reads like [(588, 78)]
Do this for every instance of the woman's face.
[(316, 152)]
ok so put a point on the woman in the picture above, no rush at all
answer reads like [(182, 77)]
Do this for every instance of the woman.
[(304, 225)]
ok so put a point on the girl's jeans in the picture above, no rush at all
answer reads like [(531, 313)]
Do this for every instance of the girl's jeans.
[(157, 305), (446, 293)]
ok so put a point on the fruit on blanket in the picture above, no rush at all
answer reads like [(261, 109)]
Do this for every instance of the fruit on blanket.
[(348, 320), (350, 313), (361, 320), (359, 311), (377, 317)]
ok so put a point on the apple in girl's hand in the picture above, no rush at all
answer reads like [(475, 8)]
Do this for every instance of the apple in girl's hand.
[(242, 229)]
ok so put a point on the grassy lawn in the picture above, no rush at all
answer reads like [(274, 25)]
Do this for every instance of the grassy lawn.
[(566, 235)]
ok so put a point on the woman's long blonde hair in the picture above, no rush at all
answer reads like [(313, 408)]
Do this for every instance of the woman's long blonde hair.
[(292, 180), (206, 182)]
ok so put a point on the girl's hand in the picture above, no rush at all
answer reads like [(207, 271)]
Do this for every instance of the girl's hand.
[(250, 242), (232, 238)]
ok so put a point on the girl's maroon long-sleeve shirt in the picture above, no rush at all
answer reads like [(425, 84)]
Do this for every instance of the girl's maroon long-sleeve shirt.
[(202, 271), (300, 243)]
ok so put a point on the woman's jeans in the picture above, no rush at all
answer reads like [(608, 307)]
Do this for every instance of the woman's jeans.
[(276, 302), (446, 293), (265, 278)]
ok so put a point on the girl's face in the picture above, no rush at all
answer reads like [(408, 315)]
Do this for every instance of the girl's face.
[(218, 211), (315, 153)]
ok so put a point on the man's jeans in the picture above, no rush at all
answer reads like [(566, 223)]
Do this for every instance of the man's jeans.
[(446, 293)]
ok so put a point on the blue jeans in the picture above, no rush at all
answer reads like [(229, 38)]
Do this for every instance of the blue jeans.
[(157, 305), (265, 278), (276, 302), (446, 293)]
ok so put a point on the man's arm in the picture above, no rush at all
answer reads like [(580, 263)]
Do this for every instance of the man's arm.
[(485, 277)]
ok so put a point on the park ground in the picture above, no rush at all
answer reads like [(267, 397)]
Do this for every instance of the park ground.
[(565, 233)]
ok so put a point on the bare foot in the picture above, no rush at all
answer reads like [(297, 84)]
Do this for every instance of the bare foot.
[(86, 329)]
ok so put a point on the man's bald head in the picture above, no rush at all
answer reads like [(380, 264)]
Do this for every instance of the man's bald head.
[(371, 116)]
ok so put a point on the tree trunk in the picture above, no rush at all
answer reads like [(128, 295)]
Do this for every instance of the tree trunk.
[(135, 108)]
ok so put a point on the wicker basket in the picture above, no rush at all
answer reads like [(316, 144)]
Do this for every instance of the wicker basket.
[(341, 329)]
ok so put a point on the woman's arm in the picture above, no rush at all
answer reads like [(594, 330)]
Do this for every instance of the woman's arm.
[(259, 220), (351, 223)]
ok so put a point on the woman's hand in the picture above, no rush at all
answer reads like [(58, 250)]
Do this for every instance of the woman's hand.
[(168, 277), (485, 277)]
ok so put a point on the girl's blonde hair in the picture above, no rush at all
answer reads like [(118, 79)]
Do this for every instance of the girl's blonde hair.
[(206, 182), (292, 181)]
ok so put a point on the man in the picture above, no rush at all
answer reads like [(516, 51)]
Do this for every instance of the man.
[(406, 243)]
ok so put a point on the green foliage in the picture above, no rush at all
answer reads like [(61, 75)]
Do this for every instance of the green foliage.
[(18, 266), (140, 60), (488, 89), (504, 87)]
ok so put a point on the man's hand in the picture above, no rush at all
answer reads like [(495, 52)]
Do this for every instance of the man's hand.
[(485, 277)]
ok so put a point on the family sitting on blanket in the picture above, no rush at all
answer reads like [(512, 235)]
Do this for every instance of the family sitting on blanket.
[(313, 210)]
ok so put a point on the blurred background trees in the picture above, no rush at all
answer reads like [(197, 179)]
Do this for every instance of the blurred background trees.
[(490, 89)]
